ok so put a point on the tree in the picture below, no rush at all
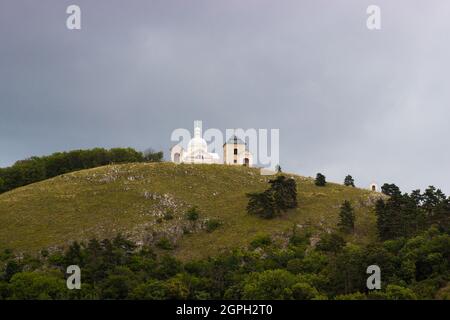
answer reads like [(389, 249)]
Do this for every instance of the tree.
[(269, 285), (151, 155), (151, 290), (402, 215), (95, 267), (285, 192), (395, 292), (431, 198), (331, 242), (390, 189), (304, 291), (348, 270), (37, 286), (74, 255), (12, 267), (2, 183), (168, 267), (119, 283), (177, 288), (320, 180), (383, 225), (121, 155), (281, 196), (441, 216), (346, 217), (263, 204), (349, 182)]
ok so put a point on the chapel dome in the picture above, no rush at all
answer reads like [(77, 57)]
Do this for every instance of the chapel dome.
[(197, 144)]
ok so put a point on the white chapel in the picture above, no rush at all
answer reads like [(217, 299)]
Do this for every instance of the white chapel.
[(234, 151)]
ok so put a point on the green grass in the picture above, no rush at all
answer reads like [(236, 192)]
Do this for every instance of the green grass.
[(134, 199)]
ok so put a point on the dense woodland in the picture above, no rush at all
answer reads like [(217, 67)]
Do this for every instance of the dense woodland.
[(36, 169), (412, 250), (412, 268)]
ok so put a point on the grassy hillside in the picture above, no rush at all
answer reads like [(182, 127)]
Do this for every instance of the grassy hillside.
[(138, 200)]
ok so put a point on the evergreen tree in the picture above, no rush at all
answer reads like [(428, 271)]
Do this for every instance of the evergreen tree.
[(431, 198), (12, 267), (320, 180), (383, 226), (390, 189), (441, 216), (349, 182), (2, 183), (74, 255), (346, 217), (400, 215), (263, 204), (331, 242), (281, 196), (285, 192)]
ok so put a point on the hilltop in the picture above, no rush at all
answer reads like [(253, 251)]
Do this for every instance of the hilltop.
[(148, 202)]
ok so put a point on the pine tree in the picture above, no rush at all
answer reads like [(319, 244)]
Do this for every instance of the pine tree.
[(74, 255), (281, 196), (400, 215), (349, 182), (320, 180), (285, 192), (263, 204), (383, 226), (390, 189), (346, 217)]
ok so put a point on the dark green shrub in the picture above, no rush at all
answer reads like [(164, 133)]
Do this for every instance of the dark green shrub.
[(164, 244), (261, 241), (192, 214), (213, 224)]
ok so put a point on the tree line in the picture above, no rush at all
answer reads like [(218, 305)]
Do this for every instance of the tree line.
[(412, 268), (405, 215), (36, 169)]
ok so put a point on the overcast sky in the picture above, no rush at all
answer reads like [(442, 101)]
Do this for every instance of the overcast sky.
[(374, 104)]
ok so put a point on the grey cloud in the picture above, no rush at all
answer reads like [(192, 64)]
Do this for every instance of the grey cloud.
[(346, 100)]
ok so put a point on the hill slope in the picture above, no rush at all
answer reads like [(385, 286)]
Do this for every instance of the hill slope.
[(138, 200)]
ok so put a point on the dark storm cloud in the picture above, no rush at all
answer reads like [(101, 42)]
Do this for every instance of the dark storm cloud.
[(346, 99)]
